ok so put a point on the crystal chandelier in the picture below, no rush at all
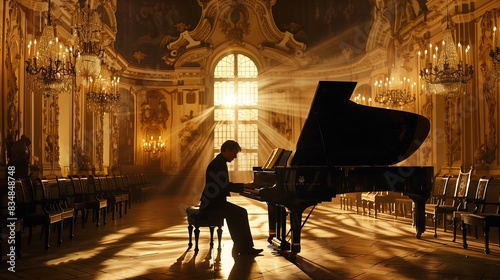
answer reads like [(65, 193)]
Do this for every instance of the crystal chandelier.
[(394, 91), (88, 29), (452, 73), (103, 93), (49, 65)]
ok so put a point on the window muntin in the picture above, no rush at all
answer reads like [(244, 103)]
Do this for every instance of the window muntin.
[(235, 115)]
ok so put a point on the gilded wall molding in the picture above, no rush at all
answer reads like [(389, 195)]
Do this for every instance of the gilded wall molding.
[(115, 137), (12, 52), (453, 130), (485, 153), (154, 109), (51, 133), (426, 148), (77, 138), (99, 148)]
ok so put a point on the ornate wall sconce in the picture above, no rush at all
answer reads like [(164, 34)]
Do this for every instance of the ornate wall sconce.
[(153, 146)]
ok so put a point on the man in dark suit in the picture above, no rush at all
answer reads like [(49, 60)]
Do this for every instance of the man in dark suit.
[(214, 200)]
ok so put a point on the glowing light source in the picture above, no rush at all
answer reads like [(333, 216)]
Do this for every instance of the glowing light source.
[(452, 73), (103, 93), (394, 91), (153, 146), (88, 28), (49, 64), (495, 54)]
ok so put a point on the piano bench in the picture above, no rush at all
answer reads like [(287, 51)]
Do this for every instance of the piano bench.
[(197, 219)]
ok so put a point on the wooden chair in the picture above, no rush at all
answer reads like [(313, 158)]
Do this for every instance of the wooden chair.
[(379, 199), (35, 211), (439, 192), (486, 220), (197, 220), (113, 189), (347, 199), (85, 193), (478, 200), (101, 189), (147, 187), (123, 189), (366, 199), (126, 187), (67, 193), (458, 200), (438, 198), (131, 182), (403, 204), (50, 192), (140, 185)]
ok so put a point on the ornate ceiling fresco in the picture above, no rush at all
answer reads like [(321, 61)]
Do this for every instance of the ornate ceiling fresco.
[(326, 26), (146, 27)]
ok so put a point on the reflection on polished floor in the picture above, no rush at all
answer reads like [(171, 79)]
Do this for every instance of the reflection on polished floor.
[(150, 242)]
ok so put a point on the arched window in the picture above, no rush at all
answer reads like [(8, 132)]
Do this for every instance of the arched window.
[(236, 113)]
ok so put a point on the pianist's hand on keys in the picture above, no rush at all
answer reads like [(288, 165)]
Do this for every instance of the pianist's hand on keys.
[(251, 188)]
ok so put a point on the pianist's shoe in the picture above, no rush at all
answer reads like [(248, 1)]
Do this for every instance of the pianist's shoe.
[(252, 252)]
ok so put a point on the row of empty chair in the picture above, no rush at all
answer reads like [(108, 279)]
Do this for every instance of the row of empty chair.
[(462, 209), (56, 203), (452, 203), (379, 201), (140, 185)]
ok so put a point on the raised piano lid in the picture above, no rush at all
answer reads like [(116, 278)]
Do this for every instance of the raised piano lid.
[(340, 132)]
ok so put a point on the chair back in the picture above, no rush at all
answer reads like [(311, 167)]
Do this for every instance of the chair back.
[(97, 183), (126, 183), (95, 187), (48, 187), (20, 192), (79, 194), (62, 186), (29, 190), (65, 191), (141, 178), (462, 188), (480, 197), (24, 201), (439, 191), (105, 186), (111, 183), (131, 179), (84, 183), (441, 185), (49, 191), (119, 183)]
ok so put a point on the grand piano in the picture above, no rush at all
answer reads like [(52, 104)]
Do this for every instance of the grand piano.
[(343, 147)]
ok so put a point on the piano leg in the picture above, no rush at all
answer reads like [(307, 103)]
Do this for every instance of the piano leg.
[(279, 239), (296, 226), (419, 216), (272, 220), (284, 245)]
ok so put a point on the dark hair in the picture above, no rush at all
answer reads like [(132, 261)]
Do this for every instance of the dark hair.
[(230, 145)]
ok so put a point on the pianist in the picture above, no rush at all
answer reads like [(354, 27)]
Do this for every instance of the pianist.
[(214, 202)]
